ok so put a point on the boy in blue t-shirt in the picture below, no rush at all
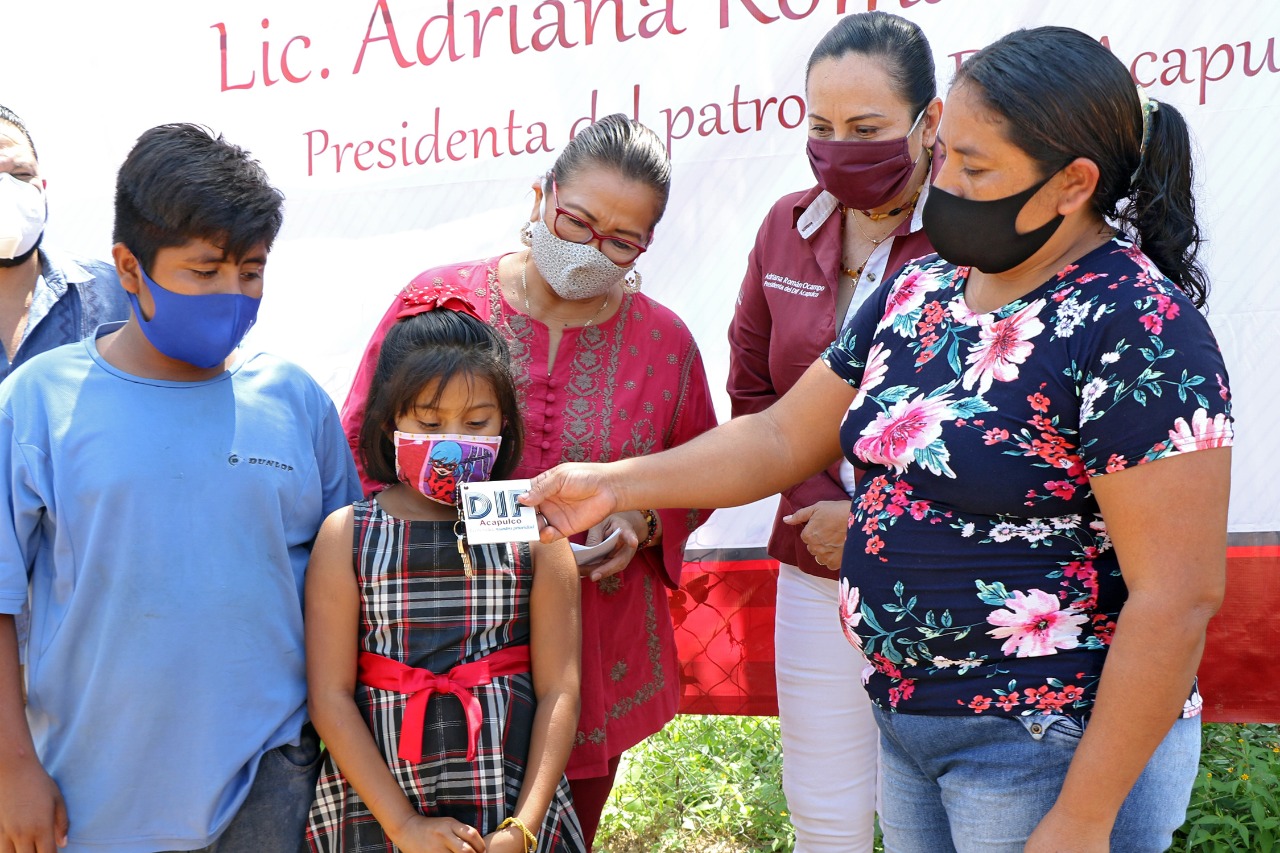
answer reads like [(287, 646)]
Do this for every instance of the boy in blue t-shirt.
[(160, 501)]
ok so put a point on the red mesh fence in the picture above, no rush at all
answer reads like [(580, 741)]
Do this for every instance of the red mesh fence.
[(723, 616)]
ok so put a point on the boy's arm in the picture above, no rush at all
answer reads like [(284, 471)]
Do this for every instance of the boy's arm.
[(555, 646), (339, 482), (33, 816), (32, 813)]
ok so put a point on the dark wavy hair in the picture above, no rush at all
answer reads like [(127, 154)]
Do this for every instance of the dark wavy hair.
[(181, 182), (436, 346), (1064, 95), (900, 44)]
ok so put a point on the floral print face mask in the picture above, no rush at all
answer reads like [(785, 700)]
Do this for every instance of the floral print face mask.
[(574, 270)]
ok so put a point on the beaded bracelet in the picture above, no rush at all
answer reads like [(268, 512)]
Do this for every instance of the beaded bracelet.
[(651, 519), (530, 840)]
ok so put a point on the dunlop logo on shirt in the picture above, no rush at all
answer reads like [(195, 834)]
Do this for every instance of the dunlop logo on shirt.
[(234, 459)]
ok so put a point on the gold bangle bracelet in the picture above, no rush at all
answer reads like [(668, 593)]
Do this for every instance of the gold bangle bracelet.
[(530, 840)]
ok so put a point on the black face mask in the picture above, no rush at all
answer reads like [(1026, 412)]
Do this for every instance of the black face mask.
[(983, 234)]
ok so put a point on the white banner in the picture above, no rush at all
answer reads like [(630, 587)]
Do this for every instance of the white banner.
[(406, 133)]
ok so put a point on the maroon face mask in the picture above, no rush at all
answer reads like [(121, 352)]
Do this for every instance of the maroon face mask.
[(863, 173)]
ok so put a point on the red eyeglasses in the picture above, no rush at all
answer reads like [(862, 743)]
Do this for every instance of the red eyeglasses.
[(570, 227)]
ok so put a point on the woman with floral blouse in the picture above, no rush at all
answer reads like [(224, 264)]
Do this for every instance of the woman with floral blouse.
[(1042, 419)]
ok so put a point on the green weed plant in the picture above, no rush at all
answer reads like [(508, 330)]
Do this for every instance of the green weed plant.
[(714, 785), (703, 783), (1235, 804)]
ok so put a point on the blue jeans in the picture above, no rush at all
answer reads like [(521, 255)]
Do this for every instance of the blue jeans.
[(982, 784), (273, 818)]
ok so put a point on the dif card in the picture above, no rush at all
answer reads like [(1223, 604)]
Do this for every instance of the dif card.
[(492, 513)]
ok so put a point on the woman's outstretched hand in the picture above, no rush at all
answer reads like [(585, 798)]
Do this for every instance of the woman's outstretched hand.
[(571, 498)]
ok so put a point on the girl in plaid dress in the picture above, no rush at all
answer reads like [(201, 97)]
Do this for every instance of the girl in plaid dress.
[(448, 723)]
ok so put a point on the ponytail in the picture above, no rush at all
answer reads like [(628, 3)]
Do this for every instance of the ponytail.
[(1161, 208), (1088, 107)]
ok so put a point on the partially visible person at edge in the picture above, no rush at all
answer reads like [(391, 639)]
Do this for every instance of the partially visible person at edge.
[(1042, 417), (166, 694), (47, 298), (873, 119), (604, 372)]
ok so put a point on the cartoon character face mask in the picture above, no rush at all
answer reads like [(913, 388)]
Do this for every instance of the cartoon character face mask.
[(435, 463)]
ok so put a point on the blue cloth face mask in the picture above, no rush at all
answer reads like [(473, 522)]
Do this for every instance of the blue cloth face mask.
[(201, 330)]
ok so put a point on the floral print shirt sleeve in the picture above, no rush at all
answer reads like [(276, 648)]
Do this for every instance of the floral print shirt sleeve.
[(848, 354), (978, 576), (1152, 390)]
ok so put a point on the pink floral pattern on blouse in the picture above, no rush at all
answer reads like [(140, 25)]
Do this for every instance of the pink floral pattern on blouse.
[(978, 575)]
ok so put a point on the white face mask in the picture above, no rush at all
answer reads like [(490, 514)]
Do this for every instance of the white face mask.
[(574, 270), (22, 216)]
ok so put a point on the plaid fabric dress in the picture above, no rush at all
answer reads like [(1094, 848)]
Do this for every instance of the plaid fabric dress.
[(418, 607)]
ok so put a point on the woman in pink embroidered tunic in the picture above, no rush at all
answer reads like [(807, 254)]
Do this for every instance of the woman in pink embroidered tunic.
[(604, 373)]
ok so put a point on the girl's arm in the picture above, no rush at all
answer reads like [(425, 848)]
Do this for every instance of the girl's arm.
[(1168, 522), (332, 633), (555, 644)]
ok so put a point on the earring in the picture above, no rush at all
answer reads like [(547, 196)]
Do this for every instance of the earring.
[(526, 233), (631, 284)]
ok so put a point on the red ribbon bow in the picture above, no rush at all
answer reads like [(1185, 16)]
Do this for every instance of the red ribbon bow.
[(420, 684), (417, 298)]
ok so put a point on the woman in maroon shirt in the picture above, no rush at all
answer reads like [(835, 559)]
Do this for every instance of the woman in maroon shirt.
[(873, 116)]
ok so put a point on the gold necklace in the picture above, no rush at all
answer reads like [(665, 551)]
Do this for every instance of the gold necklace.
[(874, 242), (876, 217), (855, 274), (524, 290)]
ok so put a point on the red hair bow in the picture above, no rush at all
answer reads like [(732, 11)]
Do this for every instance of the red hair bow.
[(417, 298)]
